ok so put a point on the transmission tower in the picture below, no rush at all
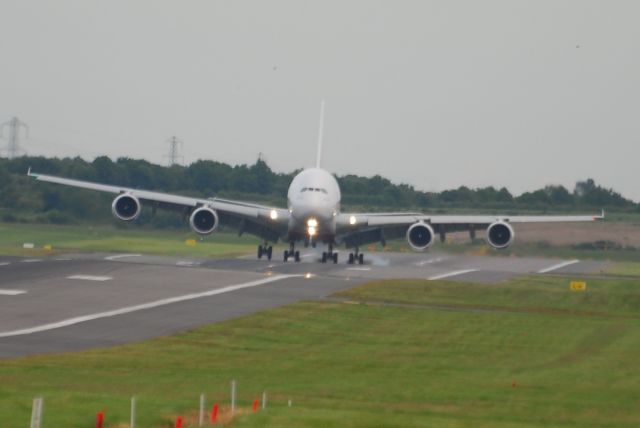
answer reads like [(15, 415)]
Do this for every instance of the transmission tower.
[(175, 145), (14, 126)]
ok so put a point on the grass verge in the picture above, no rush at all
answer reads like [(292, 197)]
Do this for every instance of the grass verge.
[(528, 352)]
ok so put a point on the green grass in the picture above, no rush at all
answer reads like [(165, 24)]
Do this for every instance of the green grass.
[(544, 356), (110, 239)]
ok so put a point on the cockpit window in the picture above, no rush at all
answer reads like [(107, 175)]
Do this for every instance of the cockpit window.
[(313, 189)]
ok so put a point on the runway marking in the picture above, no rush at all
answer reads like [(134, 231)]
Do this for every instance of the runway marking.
[(5, 264), (121, 256), (31, 260), (5, 292), (63, 260), (450, 274), (150, 305), (558, 266), (429, 261), (359, 268), (187, 263), (90, 277)]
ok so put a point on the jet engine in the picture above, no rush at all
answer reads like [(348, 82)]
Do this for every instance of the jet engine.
[(203, 221), (500, 234), (126, 207), (420, 236)]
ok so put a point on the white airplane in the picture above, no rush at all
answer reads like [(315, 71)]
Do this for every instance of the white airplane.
[(313, 215)]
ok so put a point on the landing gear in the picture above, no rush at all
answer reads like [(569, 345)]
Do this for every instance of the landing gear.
[(356, 257), (291, 253), (265, 250), (330, 255)]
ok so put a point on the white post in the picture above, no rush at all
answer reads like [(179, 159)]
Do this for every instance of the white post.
[(132, 424), (36, 412), (201, 419), (264, 400), (233, 397)]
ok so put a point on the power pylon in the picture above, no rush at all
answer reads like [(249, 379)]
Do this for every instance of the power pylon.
[(14, 126), (175, 145)]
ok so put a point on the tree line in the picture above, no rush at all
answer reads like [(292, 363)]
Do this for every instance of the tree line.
[(23, 199)]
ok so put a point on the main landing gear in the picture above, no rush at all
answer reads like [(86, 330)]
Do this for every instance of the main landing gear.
[(330, 255), (265, 250), (291, 253), (356, 257)]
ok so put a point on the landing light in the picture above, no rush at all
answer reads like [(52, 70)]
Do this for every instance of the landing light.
[(312, 231), (352, 220), (312, 222), (273, 215)]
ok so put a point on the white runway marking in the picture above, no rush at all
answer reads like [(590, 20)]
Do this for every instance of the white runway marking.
[(5, 264), (558, 266), (450, 274), (429, 261), (63, 260), (150, 305), (357, 268), (90, 277), (187, 263), (5, 292), (121, 256), (31, 260)]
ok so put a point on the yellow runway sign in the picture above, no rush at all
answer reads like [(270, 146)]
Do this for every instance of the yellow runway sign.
[(578, 285)]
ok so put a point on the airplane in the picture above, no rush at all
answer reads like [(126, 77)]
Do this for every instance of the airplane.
[(313, 216)]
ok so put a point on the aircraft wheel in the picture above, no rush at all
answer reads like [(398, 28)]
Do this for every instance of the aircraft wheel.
[(260, 251), (297, 256), (286, 255), (324, 257), (269, 252), (351, 258), (361, 259), (335, 258)]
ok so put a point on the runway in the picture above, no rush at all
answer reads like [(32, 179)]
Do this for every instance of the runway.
[(81, 301)]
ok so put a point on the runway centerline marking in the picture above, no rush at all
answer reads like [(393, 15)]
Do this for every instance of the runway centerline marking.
[(359, 268), (90, 277), (150, 305), (121, 256), (559, 266), (429, 261), (450, 274), (5, 292), (5, 264), (31, 260)]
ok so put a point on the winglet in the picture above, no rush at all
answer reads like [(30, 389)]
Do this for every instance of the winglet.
[(29, 172), (320, 132), (599, 217)]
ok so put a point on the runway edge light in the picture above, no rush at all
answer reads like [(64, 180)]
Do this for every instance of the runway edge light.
[(578, 285)]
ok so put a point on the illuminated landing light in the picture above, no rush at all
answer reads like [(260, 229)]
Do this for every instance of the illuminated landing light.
[(308, 275), (312, 231), (312, 222), (273, 214), (353, 220)]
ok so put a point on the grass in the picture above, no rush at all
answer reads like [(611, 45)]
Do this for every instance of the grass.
[(524, 353), (110, 239)]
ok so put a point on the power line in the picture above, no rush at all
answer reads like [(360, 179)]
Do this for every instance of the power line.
[(175, 145), (14, 126)]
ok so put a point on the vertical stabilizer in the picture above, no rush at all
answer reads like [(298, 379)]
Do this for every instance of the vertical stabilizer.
[(320, 132)]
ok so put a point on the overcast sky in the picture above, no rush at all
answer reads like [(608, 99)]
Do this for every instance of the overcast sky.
[(436, 94)]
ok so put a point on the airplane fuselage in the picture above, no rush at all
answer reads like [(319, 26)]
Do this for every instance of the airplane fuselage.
[(313, 200)]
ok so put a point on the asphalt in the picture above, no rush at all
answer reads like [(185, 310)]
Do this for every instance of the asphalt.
[(82, 301)]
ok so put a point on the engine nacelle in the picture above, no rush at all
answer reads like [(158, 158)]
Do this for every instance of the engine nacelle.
[(126, 207), (204, 221), (500, 234), (420, 236)]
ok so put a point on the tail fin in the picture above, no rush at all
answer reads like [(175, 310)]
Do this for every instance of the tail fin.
[(320, 132)]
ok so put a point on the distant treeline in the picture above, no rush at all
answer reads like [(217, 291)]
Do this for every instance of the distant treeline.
[(24, 199)]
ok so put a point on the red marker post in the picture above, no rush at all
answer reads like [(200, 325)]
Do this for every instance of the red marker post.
[(255, 406), (99, 419), (214, 414), (179, 422)]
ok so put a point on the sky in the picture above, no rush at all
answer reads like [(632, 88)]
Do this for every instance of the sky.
[(436, 94)]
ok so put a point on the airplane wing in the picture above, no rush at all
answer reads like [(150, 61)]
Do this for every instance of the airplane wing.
[(363, 228), (260, 220)]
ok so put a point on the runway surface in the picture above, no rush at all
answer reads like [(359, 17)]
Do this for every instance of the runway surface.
[(81, 301)]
